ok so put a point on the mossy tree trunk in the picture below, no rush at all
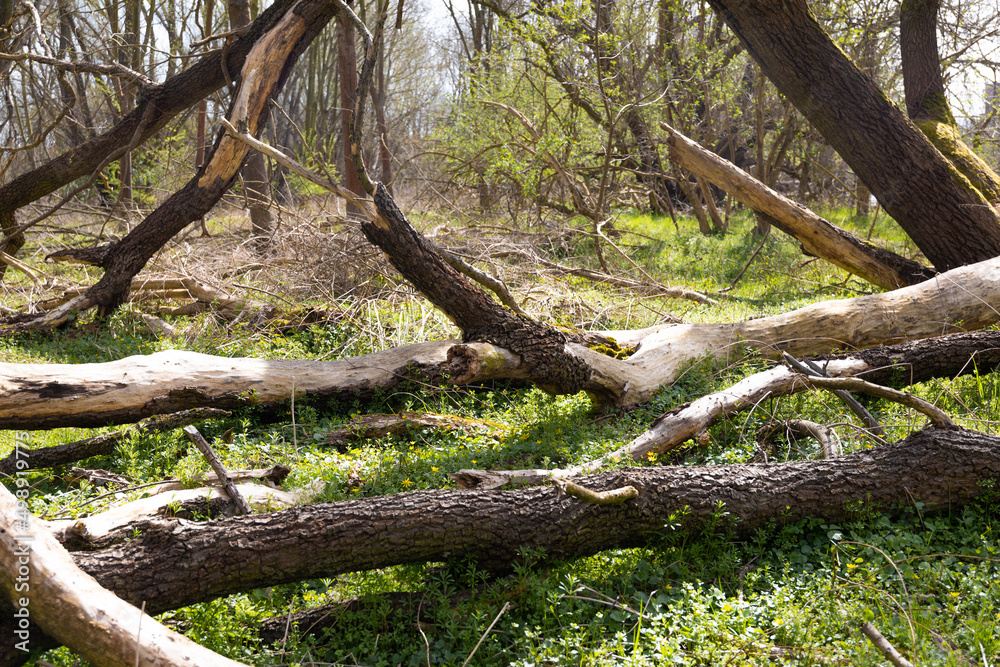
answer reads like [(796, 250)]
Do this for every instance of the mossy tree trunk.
[(926, 102), (948, 218)]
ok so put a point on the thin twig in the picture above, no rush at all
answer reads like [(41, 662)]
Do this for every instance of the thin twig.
[(814, 370), (476, 647), (882, 644), (935, 414), (199, 441)]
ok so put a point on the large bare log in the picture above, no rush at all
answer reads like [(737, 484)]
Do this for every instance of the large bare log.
[(817, 236), (183, 563), (39, 576), (42, 396), (35, 396)]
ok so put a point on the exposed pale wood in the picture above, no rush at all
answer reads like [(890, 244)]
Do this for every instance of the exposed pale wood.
[(95, 530), (882, 644), (73, 608), (35, 396), (817, 236), (39, 396)]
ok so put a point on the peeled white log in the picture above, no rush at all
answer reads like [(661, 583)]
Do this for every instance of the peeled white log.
[(35, 396), (97, 526), (47, 588)]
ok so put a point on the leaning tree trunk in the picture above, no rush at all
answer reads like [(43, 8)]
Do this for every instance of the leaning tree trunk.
[(347, 79), (926, 102), (175, 563), (264, 71), (950, 221), (542, 348), (158, 104), (818, 236), (254, 173)]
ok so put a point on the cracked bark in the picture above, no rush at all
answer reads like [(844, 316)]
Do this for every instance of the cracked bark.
[(181, 563)]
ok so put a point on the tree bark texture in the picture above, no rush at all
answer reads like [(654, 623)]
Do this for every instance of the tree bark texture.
[(950, 221), (540, 347), (156, 107), (817, 236), (184, 563), (926, 102)]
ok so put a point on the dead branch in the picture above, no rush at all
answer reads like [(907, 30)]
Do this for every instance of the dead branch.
[(179, 563), (220, 471), (817, 236), (104, 444)]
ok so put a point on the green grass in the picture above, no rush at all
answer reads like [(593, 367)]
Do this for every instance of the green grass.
[(787, 595)]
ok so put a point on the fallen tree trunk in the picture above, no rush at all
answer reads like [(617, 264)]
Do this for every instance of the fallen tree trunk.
[(43, 396), (817, 236), (37, 396), (896, 365), (182, 563)]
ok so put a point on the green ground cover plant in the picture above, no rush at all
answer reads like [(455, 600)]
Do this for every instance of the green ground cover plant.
[(794, 594)]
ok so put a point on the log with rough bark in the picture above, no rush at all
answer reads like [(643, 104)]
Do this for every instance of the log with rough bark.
[(558, 364), (46, 587), (36, 396), (182, 563), (817, 236), (950, 222)]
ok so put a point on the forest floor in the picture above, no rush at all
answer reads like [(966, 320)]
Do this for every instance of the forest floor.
[(789, 595)]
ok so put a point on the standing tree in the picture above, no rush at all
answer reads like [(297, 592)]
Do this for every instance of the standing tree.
[(947, 217), (926, 102)]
